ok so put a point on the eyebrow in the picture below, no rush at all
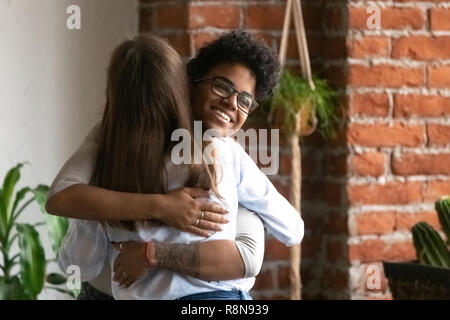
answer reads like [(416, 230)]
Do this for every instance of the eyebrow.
[(231, 83)]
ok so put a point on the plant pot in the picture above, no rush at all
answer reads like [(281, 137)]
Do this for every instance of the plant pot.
[(413, 281), (308, 120)]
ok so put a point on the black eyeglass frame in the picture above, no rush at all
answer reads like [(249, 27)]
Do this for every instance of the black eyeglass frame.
[(227, 82)]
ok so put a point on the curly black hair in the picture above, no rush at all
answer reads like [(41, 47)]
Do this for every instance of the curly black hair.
[(239, 47)]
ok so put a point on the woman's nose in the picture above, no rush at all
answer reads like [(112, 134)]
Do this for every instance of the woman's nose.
[(232, 100)]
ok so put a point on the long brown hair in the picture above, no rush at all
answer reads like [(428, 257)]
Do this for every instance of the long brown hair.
[(146, 99)]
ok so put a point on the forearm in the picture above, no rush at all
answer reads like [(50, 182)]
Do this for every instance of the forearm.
[(210, 261), (86, 202)]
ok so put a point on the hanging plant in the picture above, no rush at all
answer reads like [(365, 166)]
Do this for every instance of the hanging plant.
[(317, 108)]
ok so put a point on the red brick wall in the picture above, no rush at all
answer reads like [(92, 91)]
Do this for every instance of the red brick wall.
[(362, 192)]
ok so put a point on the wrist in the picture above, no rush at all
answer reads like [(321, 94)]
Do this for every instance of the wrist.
[(153, 206), (150, 254)]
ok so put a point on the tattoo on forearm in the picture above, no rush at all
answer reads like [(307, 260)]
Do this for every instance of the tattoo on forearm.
[(181, 258)]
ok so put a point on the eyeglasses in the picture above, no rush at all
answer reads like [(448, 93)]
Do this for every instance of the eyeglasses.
[(223, 88)]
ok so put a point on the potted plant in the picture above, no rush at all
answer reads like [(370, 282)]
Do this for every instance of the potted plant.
[(298, 109), (429, 276), (28, 281)]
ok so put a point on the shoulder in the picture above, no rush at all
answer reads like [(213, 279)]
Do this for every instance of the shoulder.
[(94, 133)]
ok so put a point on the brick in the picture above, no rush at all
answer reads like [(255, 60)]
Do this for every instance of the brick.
[(375, 222), (400, 251), (373, 250), (335, 251), (384, 75), (226, 17), (439, 77), (421, 106), (369, 164), (416, 164), (311, 190), (332, 193), (315, 44), (146, 18), (438, 134), (334, 19), (336, 48), (406, 220), (367, 47), (265, 17), (275, 250), (313, 17), (440, 19), (391, 18), (172, 16), (383, 135), (370, 104), (181, 43), (367, 250), (336, 225), (421, 48), (335, 165), (388, 193), (436, 189), (310, 165)]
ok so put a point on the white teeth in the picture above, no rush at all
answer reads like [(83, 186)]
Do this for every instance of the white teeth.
[(223, 115)]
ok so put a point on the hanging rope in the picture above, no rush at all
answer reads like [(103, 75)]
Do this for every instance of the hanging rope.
[(293, 8)]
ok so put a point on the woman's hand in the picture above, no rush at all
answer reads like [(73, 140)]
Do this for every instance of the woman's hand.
[(181, 209), (131, 264)]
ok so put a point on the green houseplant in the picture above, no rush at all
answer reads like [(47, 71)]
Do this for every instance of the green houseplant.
[(317, 107), (29, 281), (429, 276)]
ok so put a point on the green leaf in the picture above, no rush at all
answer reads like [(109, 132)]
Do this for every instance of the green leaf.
[(32, 259), (12, 289), (56, 279), (9, 184), (19, 197), (56, 226)]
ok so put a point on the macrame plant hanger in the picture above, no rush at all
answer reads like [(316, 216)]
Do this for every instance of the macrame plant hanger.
[(294, 9)]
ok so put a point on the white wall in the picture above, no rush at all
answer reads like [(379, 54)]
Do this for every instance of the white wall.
[(52, 82)]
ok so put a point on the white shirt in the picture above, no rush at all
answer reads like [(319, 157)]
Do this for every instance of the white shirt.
[(240, 181)]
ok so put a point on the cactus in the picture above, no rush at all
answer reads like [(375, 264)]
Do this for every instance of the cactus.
[(443, 209), (430, 247)]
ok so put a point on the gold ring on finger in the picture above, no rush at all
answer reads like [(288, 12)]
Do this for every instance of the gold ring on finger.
[(198, 221), (203, 214)]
